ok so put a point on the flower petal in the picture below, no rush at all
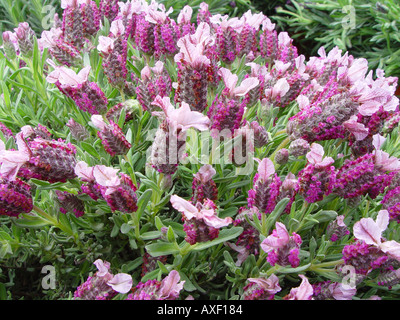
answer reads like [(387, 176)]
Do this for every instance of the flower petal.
[(184, 206), (121, 282), (367, 230)]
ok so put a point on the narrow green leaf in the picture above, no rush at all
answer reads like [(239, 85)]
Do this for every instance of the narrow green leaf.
[(224, 235), (161, 249)]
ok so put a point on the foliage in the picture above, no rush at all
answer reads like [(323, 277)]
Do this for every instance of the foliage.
[(374, 35)]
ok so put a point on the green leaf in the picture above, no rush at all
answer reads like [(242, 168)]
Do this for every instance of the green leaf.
[(5, 248), (89, 149), (125, 228), (28, 221), (224, 235), (132, 265), (275, 214), (150, 235), (161, 249), (320, 216), (294, 270), (170, 234), (143, 201)]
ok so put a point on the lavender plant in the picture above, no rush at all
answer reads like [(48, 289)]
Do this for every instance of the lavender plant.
[(199, 157)]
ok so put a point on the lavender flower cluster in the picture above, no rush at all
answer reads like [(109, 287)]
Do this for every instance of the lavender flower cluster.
[(331, 98)]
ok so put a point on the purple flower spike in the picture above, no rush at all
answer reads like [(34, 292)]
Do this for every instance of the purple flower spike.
[(49, 160), (261, 288), (72, 25), (203, 186), (114, 52), (318, 177), (167, 289), (282, 248), (266, 186), (111, 135), (109, 9), (70, 203), (15, 197), (170, 139), (154, 81), (103, 285), (201, 221), (226, 111), (87, 95), (193, 68)]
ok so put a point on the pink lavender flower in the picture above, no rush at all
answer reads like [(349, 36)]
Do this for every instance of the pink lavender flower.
[(65, 53), (261, 137), (370, 232), (203, 14), (167, 289), (193, 68), (268, 41), (266, 185), (288, 189), (203, 186), (391, 199), (10, 44), (184, 21), (87, 95), (109, 9), (72, 25), (303, 292), (7, 133), (114, 52), (49, 160), (111, 135), (90, 18), (70, 203), (15, 197), (30, 133), (166, 31), (242, 145), (201, 221), (329, 290), (323, 120), (226, 32), (128, 12), (261, 288), (77, 130), (151, 263), (154, 81), (248, 241), (282, 248), (370, 251), (90, 186), (144, 34), (103, 285), (337, 229), (370, 173), (170, 139), (25, 37), (15, 194), (128, 106), (299, 147), (248, 37), (318, 177), (118, 190), (226, 111)]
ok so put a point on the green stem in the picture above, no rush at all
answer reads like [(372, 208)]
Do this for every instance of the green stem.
[(319, 266), (53, 221)]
